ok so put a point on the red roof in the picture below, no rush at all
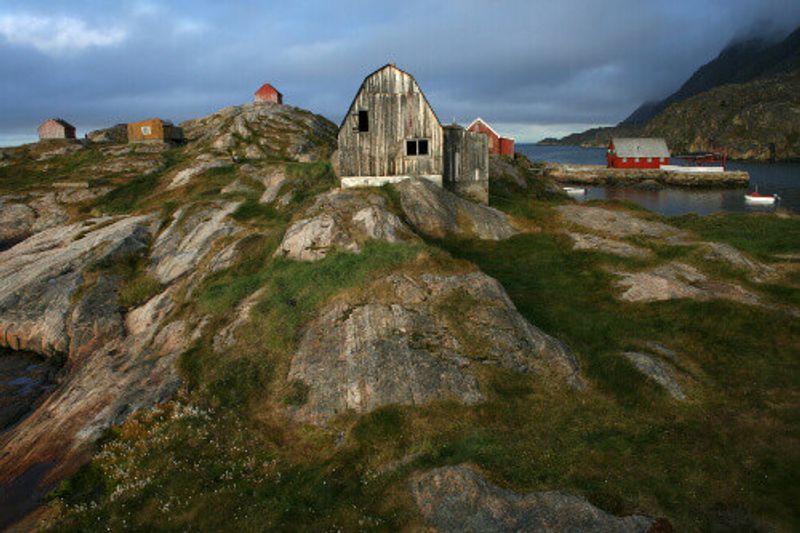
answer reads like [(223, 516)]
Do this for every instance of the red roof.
[(267, 89)]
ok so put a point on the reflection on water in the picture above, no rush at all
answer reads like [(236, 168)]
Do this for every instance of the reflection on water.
[(782, 179)]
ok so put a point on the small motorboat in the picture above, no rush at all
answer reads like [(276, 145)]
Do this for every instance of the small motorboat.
[(574, 191), (756, 198)]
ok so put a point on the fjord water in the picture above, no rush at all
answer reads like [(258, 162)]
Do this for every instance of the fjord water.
[(782, 179)]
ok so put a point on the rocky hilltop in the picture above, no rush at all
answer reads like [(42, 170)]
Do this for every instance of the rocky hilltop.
[(744, 100), (216, 336)]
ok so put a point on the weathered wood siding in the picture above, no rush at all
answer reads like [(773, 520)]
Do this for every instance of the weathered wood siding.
[(466, 163), (398, 111)]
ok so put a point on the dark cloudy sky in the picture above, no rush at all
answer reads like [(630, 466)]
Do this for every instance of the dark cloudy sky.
[(533, 68)]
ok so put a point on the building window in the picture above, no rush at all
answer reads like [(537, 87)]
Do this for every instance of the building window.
[(663, 160), (649, 159), (417, 147), (624, 159), (636, 160), (146, 130), (363, 121)]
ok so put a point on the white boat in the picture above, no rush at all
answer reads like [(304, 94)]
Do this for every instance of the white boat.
[(574, 191), (755, 198)]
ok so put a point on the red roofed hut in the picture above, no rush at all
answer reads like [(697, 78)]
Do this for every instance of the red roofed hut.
[(498, 145), (56, 128), (268, 93), (632, 152)]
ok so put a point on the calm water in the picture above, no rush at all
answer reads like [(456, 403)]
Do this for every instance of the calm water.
[(770, 178)]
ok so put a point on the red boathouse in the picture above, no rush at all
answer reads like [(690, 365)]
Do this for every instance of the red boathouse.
[(268, 93), (497, 145), (632, 152)]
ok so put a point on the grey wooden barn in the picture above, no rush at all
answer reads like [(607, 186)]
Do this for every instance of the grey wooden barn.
[(391, 133)]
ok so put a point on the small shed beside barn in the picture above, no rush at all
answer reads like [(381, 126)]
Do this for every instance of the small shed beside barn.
[(154, 129), (498, 145), (56, 128), (637, 152), (466, 163), (268, 93)]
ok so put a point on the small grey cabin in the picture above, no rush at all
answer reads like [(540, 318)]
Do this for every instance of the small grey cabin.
[(391, 133)]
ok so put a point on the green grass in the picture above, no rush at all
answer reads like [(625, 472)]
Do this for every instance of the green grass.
[(760, 235)]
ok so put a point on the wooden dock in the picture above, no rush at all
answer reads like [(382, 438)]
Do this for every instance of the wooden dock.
[(601, 175)]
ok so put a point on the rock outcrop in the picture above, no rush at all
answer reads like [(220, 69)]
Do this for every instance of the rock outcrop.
[(679, 280), (439, 213), (617, 223), (39, 276), (180, 247), (414, 340), (263, 131), (342, 219), (456, 499), (658, 371), (587, 241)]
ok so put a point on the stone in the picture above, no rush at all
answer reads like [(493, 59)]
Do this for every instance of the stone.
[(616, 223), (413, 340), (16, 220), (656, 370), (439, 213), (457, 499), (341, 219), (179, 249), (272, 181), (678, 280), (587, 241)]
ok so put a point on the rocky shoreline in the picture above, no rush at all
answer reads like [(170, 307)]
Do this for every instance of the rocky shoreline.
[(600, 175)]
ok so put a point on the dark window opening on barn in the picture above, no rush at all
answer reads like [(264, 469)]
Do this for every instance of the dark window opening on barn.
[(363, 121), (417, 147)]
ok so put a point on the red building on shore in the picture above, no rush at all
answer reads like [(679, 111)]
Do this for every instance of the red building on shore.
[(632, 152), (497, 145)]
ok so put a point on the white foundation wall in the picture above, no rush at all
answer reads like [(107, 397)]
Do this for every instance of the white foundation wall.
[(377, 181)]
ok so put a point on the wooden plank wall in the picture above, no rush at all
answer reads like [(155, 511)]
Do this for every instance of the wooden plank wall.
[(398, 112)]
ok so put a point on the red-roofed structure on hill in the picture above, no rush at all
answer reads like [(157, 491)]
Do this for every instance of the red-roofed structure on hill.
[(268, 93)]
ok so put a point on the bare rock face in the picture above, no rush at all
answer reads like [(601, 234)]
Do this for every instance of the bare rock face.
[(587, 241), (343, 219), (16, 220), (456, 499), (678, 280), (180, 247), (414, 340), (39, 276), (440, 213), (616, 223), (656, 370), (198, 166)]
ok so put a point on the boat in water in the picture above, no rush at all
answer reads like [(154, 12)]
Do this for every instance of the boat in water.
[(756, 198), (574, 191)]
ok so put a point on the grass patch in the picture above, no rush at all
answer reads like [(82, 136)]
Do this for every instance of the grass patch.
[(760, 235)]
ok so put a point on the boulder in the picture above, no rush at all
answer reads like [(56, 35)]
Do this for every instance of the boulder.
[(456, 499), (342, 219), (439, 213), (413, 340), (179, 249)]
